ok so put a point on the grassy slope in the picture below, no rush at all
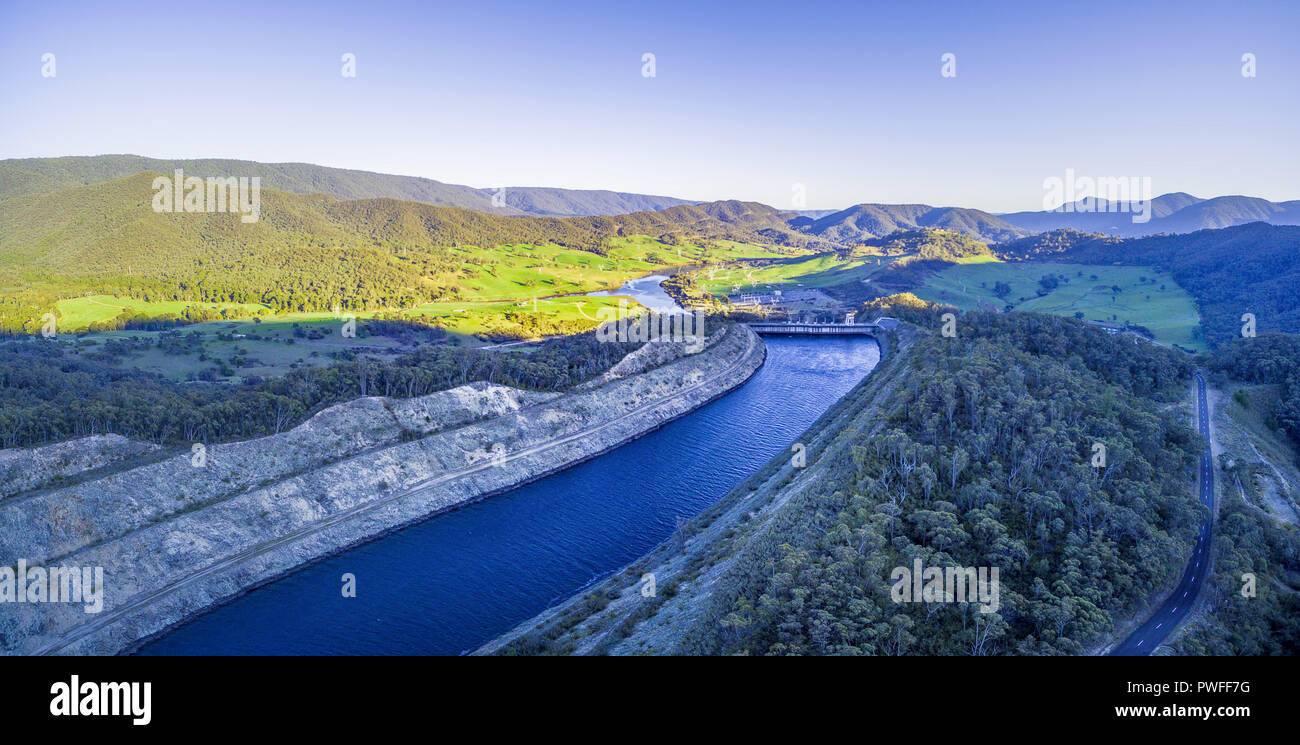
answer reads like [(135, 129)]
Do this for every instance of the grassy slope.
[(823, 270), (1169, 313), (276, 350), (1252, 268), (528, 271), (78, 313), (875, 260)]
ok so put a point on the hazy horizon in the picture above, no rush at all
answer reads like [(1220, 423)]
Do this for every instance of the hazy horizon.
[(848, 205)]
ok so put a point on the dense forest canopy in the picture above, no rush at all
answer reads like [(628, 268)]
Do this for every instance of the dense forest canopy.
[(51, 391), (980, 456)]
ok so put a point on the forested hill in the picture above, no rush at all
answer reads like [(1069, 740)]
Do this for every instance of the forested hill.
[(973, 451), (74, 217), (1252, 268), (864, 222), (305, 252), (37, 175), (983, 459)]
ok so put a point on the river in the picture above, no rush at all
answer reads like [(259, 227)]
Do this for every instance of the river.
[(647, 291), (453, 582)]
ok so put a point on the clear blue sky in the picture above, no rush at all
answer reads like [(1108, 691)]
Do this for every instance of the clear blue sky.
[(748, 98)]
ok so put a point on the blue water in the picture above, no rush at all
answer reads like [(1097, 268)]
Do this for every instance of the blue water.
[(451, 583), (647, 291)]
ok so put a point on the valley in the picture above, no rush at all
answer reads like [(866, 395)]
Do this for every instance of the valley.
[(190, 328), (1116, 297), (338, 339)]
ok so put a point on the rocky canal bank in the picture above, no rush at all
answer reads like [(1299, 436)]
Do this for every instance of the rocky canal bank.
[(663, 602), (175, 538)]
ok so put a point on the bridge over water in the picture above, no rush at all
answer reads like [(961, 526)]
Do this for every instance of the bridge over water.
[(814, 329)]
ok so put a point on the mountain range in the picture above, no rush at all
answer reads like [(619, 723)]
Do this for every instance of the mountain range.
[(1170, 213), (309, 250), (38, 175), (1178, 212), (864, 222)]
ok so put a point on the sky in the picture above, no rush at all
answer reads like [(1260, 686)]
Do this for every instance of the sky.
[(795, 104)]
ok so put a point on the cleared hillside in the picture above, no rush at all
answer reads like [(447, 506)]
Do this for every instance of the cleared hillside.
[(1253, 268)]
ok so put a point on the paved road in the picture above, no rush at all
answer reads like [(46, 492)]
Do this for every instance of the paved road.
[(1149, 635)]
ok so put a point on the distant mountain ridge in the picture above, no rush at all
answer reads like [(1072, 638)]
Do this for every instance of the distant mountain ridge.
[(1177, 212), (23, 176), (110, 216), (552, 202), (864, 222)]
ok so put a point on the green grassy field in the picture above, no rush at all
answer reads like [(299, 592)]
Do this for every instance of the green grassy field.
[(487, 286), (480, 317), (76, 314), (1145, 298), (517, 272), (823, 270)]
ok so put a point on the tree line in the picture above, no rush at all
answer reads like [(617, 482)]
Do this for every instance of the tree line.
[(50, 392)]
